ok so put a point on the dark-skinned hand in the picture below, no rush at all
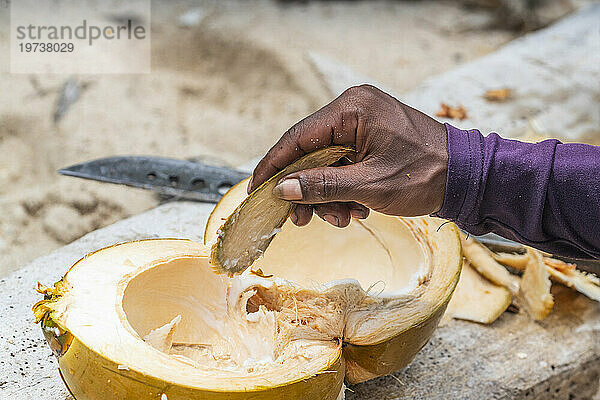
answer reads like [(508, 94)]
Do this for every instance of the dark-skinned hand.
[(399, 167)]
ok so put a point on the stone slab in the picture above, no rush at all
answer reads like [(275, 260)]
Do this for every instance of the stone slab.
[(514, 358), (507, 359)]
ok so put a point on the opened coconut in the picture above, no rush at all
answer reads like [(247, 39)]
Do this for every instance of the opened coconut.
[(152, 320)]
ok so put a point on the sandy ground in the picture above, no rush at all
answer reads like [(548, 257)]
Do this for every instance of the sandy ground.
[(224, 89)]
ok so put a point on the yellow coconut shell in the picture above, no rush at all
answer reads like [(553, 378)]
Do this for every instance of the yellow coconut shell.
[(95, 328)]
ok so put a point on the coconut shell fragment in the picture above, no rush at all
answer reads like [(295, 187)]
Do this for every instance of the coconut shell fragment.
[(513, 260), (477, 299), (249, 230), (564, 273), (535, 287), (584, 283), (482, 260)]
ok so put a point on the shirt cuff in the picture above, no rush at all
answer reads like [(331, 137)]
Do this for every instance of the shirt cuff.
[(463, 180)]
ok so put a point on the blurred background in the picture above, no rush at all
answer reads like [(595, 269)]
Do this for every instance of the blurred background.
[(228, 78)]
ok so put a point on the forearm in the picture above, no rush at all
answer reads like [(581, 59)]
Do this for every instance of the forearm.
[(543, 194)]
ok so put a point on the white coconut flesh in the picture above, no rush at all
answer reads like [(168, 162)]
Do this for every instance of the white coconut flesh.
[(320, 279), (213, 332), (380, 253), (384, 274)]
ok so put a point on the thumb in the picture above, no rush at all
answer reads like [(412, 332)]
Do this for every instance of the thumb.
[(322, 185)]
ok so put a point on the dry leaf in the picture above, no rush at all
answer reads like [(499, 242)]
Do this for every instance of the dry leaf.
[(447, 111), (498, 95)]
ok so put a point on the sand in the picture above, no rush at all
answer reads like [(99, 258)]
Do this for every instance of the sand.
[(224, 88)]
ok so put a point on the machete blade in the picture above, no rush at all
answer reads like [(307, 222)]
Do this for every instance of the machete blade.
[(180, 178)]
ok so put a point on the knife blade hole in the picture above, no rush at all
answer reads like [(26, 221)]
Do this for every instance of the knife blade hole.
[(151, 176), (173, 180), (198, 183), (223, 188)]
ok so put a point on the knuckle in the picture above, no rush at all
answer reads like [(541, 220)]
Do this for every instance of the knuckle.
[(367, 88), (353, 91), (293, 132), (359, 91), (324, 185), (330, 185), (361, 96)]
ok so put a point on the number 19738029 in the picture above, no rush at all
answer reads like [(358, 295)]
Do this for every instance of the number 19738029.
[(46, 47)]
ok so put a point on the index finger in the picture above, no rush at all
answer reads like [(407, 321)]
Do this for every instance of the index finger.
[(329, 125)]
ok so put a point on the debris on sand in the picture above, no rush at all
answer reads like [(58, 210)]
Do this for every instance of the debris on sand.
[(447, 111), (498, 95)]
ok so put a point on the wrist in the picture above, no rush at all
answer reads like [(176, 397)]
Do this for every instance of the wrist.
[(463, 172)]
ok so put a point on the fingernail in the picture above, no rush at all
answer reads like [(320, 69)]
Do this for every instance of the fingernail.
[(332, 219), (249, 185), (288, 189), (357, 214)]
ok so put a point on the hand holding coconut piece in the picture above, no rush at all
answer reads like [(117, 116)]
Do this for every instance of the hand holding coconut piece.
[(250, 228), (542, 194), (399, 168)]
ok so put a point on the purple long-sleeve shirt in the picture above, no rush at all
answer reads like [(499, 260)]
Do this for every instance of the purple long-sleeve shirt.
[(545, 194)]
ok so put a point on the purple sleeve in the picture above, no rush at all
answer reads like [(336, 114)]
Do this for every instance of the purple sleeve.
[(546, 194)]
